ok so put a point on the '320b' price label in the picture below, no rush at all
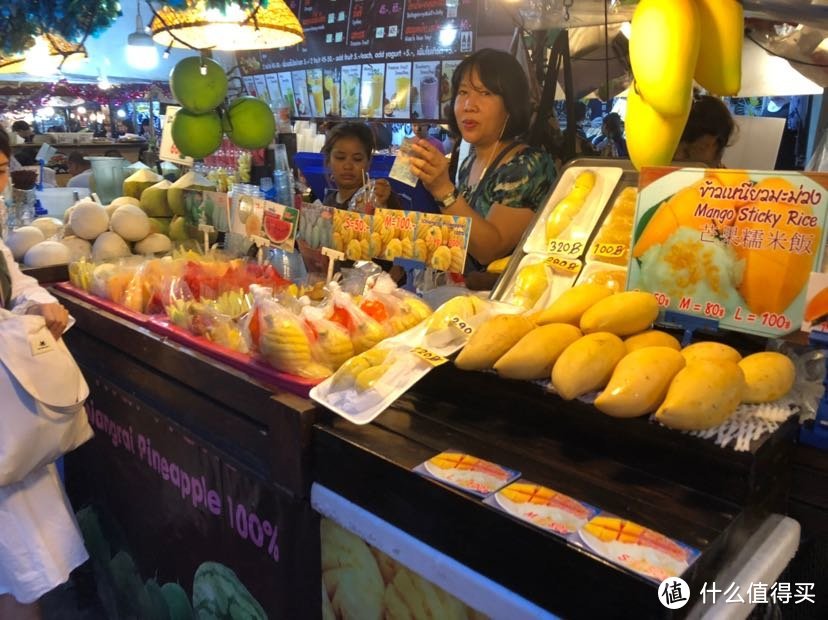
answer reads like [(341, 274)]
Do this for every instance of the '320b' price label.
[(565, 247)]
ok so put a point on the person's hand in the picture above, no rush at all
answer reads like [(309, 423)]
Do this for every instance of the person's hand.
[(382, 191), (55, 315), (431, 167)]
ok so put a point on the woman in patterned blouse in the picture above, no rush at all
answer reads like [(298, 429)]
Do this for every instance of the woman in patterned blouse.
[(503, 181)]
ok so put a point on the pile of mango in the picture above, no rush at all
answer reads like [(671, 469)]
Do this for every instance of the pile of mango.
[(592, 339)]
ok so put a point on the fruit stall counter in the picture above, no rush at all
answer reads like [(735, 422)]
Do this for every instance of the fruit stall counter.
[(129, 150), (684, 488), (194, 466)]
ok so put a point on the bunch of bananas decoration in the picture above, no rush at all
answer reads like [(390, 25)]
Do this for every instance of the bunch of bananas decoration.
[(672, 43)]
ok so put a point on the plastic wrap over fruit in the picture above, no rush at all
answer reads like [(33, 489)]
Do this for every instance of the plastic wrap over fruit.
[(810, 367)]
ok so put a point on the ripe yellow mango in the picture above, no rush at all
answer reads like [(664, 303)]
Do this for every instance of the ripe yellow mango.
[(651, 338), (587, 364), (710, 351), (774, 276), (464, 306), (622, 314), (702, 395), (491, 340), (639, 382), (664, 48), (572, 303), (719, 66), (768, 376), (651, 138), (535, 354)]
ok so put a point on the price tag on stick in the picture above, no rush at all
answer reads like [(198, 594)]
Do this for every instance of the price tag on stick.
[(333, 255), (261, 242), (206, 229)]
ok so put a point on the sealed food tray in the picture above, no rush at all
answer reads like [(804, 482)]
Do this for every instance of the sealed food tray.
[(574, 226)]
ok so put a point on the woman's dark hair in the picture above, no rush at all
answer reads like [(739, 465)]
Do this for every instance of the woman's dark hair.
[(709, 116), (501, 74), (348, 129), (5, 145), (21, 126)]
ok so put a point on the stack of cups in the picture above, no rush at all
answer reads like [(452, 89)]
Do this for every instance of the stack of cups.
[(282, 176)]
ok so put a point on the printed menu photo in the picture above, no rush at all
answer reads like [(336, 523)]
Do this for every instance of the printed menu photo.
[(397, 90), (467, 473), (425, 90), (443, 240), (447, 67), (286, 87), (371, 99), (351, 79), (330, 85), (273, 89), (392, 234), (300, 92)]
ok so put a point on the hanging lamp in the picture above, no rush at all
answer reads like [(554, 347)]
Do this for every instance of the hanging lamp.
[(49, 54), (234, 28)]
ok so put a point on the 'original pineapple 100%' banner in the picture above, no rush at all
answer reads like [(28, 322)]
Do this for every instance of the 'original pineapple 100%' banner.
[(169, 514), (735, 246)]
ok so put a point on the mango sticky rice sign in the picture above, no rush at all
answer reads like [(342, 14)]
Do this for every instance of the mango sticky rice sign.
[(734, 246)]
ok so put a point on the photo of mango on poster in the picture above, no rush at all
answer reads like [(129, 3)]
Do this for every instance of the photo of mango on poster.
[(734, 246), (443, 240)]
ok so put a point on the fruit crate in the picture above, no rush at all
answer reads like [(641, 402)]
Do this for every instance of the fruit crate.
[(371, 466)]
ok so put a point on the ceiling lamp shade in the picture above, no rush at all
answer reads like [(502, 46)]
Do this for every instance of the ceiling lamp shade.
[(198, 27), (49, 54), (141, 52)]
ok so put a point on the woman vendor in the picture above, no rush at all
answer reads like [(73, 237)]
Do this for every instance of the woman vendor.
[(503, 181)]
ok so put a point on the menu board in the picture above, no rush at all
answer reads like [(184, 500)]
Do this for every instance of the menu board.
[(411, 46)]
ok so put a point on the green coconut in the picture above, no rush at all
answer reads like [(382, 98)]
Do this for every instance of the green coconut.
[(191, 180), (137, 182), (178, 230), (154, 200)]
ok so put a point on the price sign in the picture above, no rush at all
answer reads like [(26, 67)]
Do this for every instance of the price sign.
[(608, 250), (564, 266), (565, 247), (429, 356), (460, 325)]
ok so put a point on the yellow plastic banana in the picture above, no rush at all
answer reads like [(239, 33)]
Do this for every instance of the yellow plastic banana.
[(651, 138), (719, 66), (664, 48)]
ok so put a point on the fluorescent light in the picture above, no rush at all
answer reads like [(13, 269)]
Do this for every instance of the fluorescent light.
[(141, 52), (448, 33)]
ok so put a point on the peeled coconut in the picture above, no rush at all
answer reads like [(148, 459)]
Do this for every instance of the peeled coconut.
[(123, 200), (130, 222), (154, 243), (49, 226), (137, 182), (109, 245), (78, 248), (21, 239), (154, 200), (88, 219), (47, 253)]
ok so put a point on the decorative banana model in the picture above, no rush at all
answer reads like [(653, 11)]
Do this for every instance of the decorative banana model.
[(570, 205), (673, 41)]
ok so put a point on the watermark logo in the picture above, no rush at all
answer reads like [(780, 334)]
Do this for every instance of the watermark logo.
[(674, 593)]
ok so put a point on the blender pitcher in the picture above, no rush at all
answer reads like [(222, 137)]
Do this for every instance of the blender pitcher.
[(108, 175)]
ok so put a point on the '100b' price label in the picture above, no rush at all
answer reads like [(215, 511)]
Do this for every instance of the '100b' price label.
[(608, 250), (565, 247), (564, 266)]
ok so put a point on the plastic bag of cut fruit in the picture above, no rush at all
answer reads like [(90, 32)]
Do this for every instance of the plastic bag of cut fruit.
[(281, 337), (396, 309), (365, 331), (330, 341)]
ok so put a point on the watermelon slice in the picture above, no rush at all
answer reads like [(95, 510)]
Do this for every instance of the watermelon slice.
[(277, 229)]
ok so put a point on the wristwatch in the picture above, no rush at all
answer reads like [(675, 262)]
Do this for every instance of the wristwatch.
[(449, 199)]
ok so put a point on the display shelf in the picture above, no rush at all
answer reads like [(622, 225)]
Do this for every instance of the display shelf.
[(756, 479), (265, 427), (371, 466)]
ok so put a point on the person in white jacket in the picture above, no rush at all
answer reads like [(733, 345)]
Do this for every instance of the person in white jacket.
[(40, 542)]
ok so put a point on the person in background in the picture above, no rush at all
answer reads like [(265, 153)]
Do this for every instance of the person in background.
[(81, 170), (421, 131), (24, 131), (382, 135), (503, 181), (709, 129), (347, 151), (40, 543), (611, 142), (144, 129)]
